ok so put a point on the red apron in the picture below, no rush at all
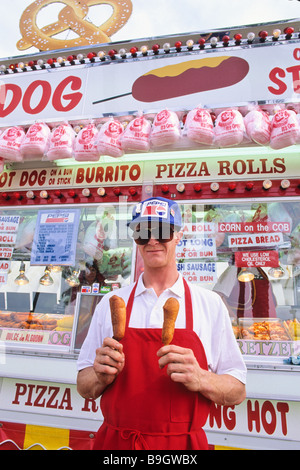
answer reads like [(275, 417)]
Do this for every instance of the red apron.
[(143, 408)]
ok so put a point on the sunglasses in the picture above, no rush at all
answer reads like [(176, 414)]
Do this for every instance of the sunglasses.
[(163, 233)]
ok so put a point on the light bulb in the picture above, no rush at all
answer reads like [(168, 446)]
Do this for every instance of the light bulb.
[(46, 279)]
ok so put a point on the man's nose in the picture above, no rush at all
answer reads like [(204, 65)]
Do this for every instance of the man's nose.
[(152, 240)]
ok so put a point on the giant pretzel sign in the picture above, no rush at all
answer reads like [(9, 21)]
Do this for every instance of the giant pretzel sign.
[(71, 17)]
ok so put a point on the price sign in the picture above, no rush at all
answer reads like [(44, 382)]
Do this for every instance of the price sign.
[(55, 237)]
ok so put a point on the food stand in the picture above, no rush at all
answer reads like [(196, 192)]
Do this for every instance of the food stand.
[(64, 240)]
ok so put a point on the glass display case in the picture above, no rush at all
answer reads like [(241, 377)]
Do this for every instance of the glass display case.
[(47, 307), (249, 253)]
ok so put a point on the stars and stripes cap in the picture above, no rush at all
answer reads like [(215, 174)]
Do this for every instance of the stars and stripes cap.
[(157, 209)]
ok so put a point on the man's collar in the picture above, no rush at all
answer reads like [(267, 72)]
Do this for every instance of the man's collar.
[(177, 288)]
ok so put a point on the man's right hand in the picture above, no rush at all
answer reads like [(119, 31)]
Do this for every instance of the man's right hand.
[(109, 361)]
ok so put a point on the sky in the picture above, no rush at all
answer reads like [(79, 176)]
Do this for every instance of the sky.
[(154, 18)]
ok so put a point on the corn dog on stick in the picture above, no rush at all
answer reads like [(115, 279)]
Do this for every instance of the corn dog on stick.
[(171, 309), (118, 316)]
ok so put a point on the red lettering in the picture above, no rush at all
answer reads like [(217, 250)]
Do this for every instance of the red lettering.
[(264, 167), (99, 174), (12, 174), (79, 175), (134, 172), (281, 85), (295, 71), (117, 173), (279, 165), (3, 179), (29, 397), (15, 100), (20, 391), (215, 415), (269, 427), (283, 409), (224, 168), (40, 390), (11, 96), (229, 418), (251, 170), (90, 405), (74, 98), (123, 169), (190, 171), (239, 167), (54, 391), (296, 53), (67, 400), (161, 169), (109, 174), (90, 174), (179, 170), (33, 177), (46, 94), (253, 415)]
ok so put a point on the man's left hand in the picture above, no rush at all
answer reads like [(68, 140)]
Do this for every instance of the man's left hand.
[(182, 366)]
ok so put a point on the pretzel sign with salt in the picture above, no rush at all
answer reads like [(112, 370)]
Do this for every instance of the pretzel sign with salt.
[(71, 17)]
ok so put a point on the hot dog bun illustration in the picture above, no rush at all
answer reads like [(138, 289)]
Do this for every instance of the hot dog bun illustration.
[(118, 316), (193, 76), (171, 309)]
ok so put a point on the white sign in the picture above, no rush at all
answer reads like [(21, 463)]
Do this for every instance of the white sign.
[(256, 239), (202, 247), (9, 223), (47, 398), (8, 238), (257, 418), (178, 81), (6, 252), (198, 272), (199, 228), (4, 266)]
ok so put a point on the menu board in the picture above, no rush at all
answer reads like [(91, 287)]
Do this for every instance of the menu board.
[(55, 237), (9, 225)]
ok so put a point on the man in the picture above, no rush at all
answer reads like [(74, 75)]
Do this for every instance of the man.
[(154, 396)]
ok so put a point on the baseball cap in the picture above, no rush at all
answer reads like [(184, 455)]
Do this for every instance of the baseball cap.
[(156, 209)]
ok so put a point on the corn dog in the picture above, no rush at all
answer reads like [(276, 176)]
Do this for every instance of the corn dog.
[(171, 309), (118, 316)]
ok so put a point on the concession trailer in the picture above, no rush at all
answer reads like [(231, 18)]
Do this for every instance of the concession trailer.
[(210, 119)]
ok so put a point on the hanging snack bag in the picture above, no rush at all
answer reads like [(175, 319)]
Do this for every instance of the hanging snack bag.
[(258, 126), (10, 144), (285, 129), (229, 128), (136, 136), (36, 141), (85, 149), (199, 126), (109, 139), (166, 129), (61, 143)]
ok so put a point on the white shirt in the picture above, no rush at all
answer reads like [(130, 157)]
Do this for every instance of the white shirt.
[(211, 323)]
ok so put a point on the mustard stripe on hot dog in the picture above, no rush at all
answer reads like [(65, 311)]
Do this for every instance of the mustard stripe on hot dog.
[(189, 77)]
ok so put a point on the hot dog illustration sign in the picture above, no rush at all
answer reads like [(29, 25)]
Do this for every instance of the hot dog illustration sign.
[(244, 74)]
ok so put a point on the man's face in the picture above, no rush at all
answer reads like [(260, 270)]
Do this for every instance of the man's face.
[(159, 245)]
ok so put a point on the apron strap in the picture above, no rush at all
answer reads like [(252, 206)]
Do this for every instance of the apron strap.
[(130, 304), (188, 306)]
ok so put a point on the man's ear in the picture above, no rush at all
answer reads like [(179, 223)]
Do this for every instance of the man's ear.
[(178, 236)]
